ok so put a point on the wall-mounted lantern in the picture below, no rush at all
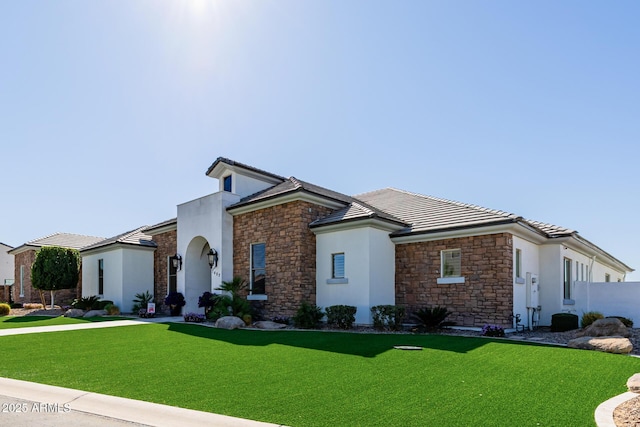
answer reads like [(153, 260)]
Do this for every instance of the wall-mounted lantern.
[(176, 261), (213, 258)]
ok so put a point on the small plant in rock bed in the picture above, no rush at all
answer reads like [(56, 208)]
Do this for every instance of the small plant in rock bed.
[(112, 309), (194, 317), (308, 316), (492, 331), (431, 318), (589, 317), (342, 316), (140, 302), (5, 309), (387, 316), (282, 319), (86, 303)]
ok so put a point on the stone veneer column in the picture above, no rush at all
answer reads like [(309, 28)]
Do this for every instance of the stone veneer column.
[(486, 297), (167, 246), (290, 253)]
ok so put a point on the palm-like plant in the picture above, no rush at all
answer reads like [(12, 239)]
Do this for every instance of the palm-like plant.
[(431, 318)]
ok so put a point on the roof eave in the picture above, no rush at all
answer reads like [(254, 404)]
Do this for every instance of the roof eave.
[(285, 197)]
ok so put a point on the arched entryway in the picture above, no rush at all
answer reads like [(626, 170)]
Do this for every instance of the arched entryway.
[(197, 273)]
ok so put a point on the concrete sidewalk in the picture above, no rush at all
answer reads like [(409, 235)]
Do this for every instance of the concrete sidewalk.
[(26, 404)]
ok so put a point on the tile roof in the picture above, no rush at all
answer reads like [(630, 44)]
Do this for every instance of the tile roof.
[(65, 240), (426, 214), (135, 237), (172, 221), (242, 165), (292, 185)]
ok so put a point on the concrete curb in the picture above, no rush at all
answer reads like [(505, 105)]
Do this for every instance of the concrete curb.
[(136, 411), (604, 411)]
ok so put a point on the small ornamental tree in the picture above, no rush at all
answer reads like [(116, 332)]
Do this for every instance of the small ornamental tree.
[(55, 268)]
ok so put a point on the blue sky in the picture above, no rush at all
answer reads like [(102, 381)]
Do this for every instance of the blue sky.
[(111, 111)]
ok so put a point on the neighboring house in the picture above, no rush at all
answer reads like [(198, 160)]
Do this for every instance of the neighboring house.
[(118, 268), (294, 241), (25, 255), (6, 272)]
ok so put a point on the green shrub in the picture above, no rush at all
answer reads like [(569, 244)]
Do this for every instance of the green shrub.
[(5, 309), (140, 302), (387, 316), (111, 309), (561, 322), (431, 318), (625, 321), (86, 303), (590, 317), (308, 316), (342, 316), (102, 304), (16, 305)]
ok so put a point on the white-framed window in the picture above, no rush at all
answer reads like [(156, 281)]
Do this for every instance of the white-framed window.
[(518, 263), (258, 269), (607, 277), (22, 280), (451, 264), (567, 279), (337, 266)]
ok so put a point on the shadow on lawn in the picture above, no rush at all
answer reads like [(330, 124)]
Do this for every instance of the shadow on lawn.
[(357, 344)]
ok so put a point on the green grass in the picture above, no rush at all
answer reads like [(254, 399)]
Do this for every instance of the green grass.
[(10, 322), (327, 379)]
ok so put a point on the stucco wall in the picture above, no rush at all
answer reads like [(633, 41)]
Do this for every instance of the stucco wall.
[(290, 253), (530, 264), (369, 270), (205, 218), (485, 297), (127, 271), (610, 299)]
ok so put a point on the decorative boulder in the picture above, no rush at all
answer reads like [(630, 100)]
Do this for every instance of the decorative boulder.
[(95, 313), (617, 345), (230, 322), (267, 324), (633, 383), (609, 327), (74, 312)]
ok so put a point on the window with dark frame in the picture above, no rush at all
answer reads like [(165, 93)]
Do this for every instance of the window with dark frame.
[(518, 263), (567, 278), (172, 284), (258, 269), (337, 266), (227, 183), (100, 276)]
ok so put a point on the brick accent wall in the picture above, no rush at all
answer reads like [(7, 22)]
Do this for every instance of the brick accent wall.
[(167, 246), (486, 297), (290, 249), (62, 297)]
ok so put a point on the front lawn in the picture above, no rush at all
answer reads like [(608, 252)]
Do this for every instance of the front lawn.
[(327, 378), (9, 322)]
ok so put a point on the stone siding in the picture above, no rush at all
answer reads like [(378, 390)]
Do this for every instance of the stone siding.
[(32, 295), (290, 253), (486, 297), (167, 246)]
